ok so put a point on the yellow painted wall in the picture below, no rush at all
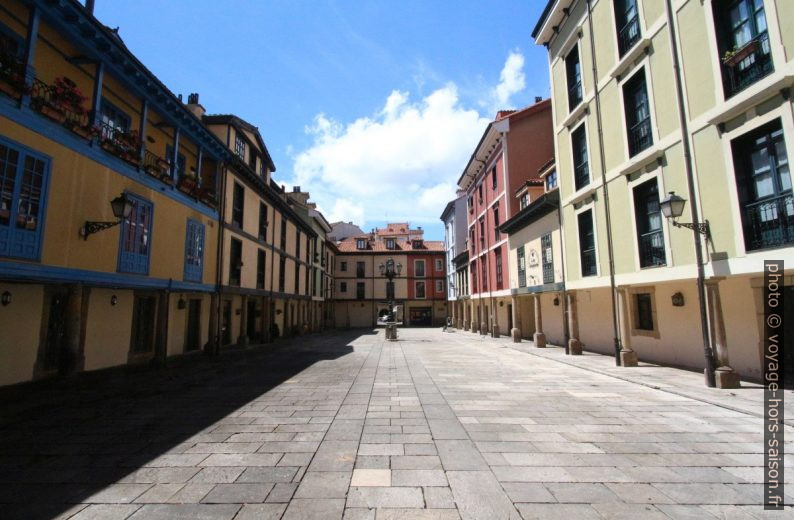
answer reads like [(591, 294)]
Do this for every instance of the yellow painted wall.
[(605, 40), (785, 19), (595, 320), (660, 78), (20, 323), (696, 63), (108, 328), (17, 18)]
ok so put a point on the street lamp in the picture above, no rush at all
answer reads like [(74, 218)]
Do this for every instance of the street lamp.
[(672, 207), (390, 270), (121, 206)]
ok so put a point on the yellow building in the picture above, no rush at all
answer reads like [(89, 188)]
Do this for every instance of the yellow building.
[(691, 97), (83, 123)]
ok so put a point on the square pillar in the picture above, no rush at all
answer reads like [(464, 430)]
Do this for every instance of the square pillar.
[(539, 336), (628, 358)]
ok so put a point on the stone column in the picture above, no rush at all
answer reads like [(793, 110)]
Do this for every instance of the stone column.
[(474, 324), (515, 332), (628, 358), (574, 345), (495, 318), (454, 312), (726, 377), (466, 315), (539, 336), (242, 340), (75, 358)]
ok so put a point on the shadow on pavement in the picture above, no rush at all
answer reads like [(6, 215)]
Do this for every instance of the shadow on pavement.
[(63, 441)]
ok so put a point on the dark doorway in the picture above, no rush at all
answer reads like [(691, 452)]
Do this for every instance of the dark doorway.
[(421, 317), (252, 318), (55, 350), (509, 317), (144, 314), (193, 333), (226, 323), (788, 336)]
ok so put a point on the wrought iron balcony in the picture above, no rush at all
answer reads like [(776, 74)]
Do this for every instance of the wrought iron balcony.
[(745, 66), (581, 175), (769, 223), (588, 258), (652, 249), (574, 95), (640, 137), (629, 34)]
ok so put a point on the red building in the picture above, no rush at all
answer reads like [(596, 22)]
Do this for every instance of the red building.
[(510, 153)]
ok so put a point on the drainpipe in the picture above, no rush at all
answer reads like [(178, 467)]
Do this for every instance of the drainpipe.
[(566, 334), (612, 288), (690, 178), (216, 347)]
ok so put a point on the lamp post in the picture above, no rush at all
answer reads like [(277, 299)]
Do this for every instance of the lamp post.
[(121, 206), (672, 207), (390, 270)]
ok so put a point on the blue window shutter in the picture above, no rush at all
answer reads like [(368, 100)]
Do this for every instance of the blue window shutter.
[(194, 251), (24, 177), (136, 237)]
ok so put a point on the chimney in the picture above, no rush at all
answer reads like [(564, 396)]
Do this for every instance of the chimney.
[(194, 106), (538, 99), (89, 6)]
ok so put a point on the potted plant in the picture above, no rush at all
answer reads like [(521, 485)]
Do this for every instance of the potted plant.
[(187, 182), (736, 55)]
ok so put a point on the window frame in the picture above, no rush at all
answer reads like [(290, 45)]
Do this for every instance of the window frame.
[(361, 291), (194, 248), (521, 261), (263, 221), (417, 263), (629, 90), (417, 285), (239, 145), (573, 102), (235, 267), (261, 261), (238, 205), (594, 249), (128, 259), (580, 150)]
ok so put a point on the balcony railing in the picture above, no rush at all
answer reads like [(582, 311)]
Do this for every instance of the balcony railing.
[(121, 143), (640, 137), (745, 66), (588, 257), (629, 34), (581, 175), (574, 95), (64, 108), (770, 222), (652, 249)]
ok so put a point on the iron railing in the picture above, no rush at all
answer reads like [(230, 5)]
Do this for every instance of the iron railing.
[(629, 34), (748, 65), (581, 175), (574, 95), (640, 136), (588, 257), (770, 222), (652, 249)]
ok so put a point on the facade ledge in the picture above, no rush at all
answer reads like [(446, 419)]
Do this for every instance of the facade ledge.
[(534, 289), (657, 275), (581, 194), (642, 160), (580, 110), (751, 96), (627, 62), (591, 282), (750, 264)]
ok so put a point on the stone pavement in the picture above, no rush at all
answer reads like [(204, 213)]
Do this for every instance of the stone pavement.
[(346, 425)]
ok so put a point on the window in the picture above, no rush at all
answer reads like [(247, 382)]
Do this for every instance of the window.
[(628, 22), (194, 251), (470, 203), (638, 114), (420, 290), (10, 43), (389, 290), (419, 268), (439, 265), (136, 233), (498, 263), (474, 277), (581, 168), (743, 43), (472, 243), (252, 160), (181, 166), (573, 72), (484, 272), (283, 241), (479, 192), (238, 200), (551, 180), (439, 286), (282, 272), (23, 184), (587, 255), (260, 269), (493, 178), (522, 267), (361, 243), (389, 243), (496, 221), (343, 266), (343, 287), (298, 245), (239, 146), (482, 233), (360, 290), (296, 290), (360, 270), (113, 120), (262, 221), (644, 315), (523, 201), (235, 261), (649, 224), (547, 258), (763, 181)]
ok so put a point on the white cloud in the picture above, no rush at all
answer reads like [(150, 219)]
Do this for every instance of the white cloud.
[(511, 81), (402, 162)]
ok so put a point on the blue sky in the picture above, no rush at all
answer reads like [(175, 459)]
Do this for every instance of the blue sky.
[(374, 107)]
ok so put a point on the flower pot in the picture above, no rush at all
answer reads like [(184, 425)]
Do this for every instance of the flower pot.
[(167, 179), (54, 113), (187, 185), (740, 54)]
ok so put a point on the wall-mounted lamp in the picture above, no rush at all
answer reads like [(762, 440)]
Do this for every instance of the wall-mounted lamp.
[(501, 304), (181, 304), (672, 207), (114, 300), (5, 299), (122, 207), (678, 300), (278, 311)]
